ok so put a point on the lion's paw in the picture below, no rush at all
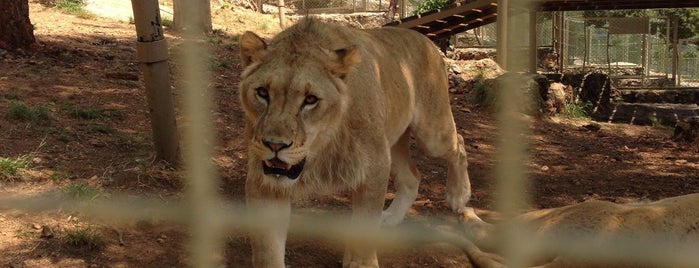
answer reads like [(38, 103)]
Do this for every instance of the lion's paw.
[(457, 202), (354, 260), (390, 219), (361, 264)]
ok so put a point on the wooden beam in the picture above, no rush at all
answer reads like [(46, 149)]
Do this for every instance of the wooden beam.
[(462, 28), (152, 55), (458, 19), (459, 8)]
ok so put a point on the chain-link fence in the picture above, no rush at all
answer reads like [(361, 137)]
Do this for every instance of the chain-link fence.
[(688, 70), (642, 51), (404, 8)]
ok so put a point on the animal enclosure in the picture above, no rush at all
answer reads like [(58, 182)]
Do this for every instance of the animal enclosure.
[(151, 215)]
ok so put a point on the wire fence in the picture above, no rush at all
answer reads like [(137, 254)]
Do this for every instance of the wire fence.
[(345, 6), (589, 43), (688, 63), (208, 216)]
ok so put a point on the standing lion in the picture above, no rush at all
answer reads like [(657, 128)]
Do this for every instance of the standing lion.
[(331, 108)]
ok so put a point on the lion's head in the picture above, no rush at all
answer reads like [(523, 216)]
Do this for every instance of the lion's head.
[(293, 92)]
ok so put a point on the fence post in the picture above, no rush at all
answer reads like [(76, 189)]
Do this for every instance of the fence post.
[(259, 6), (282, 24), (675, 53), (153, 56)]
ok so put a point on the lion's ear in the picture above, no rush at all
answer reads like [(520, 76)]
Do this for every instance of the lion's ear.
[(252, 48), (346, 59)]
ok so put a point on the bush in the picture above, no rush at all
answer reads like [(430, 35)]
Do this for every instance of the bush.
[(579, 111), (23, 112), (428, 5)]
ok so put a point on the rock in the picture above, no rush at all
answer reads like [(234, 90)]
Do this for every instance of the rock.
[(46, 232), (592, 127), (556, 98), (687, 130)]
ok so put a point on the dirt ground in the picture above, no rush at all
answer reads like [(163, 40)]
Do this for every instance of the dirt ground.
[(83, 72)]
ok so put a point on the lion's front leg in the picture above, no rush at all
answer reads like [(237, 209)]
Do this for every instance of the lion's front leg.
[(367, 203), (269, 239)]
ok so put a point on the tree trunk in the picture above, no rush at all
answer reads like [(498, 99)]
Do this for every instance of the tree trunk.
[(16, 31), (199, 17)]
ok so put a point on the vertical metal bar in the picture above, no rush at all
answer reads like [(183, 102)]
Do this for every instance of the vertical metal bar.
[(510, 169), (675, 52), (644, 58), (532, 42), (558, 36), (565, 46), (502, 29), (202, 184), (282, 19)]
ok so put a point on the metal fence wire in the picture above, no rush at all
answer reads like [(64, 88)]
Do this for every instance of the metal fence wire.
[(344, 6), (208, 215)]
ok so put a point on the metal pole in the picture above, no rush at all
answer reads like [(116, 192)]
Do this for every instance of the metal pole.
[(532, 42), (510, 171), (152, 54), (675, 53), (281, 15), (502, 29)]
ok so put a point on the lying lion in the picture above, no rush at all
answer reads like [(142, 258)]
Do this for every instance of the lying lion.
[(670, 220), (330, 108)]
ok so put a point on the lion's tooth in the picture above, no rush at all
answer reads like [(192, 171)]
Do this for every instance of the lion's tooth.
[(269, 163)]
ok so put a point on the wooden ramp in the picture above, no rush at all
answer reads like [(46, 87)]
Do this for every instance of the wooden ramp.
[(452, 19)]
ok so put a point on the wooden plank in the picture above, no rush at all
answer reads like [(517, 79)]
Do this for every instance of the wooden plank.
[(456, 20), (476, 6), (462, 28)]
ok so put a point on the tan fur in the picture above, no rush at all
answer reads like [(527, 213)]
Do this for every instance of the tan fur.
[(375, 89), (674, 219)]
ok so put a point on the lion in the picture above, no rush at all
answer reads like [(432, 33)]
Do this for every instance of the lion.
[(670, 220), (330, 108)]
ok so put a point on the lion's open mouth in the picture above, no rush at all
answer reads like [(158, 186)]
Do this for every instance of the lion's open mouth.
[(275, 166)]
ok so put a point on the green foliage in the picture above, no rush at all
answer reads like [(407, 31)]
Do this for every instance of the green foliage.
[(486, 94), (81, 191), (12, 95), (167, 22), (25, 234), (263, 27), (74, 7), (98, 128), (20, 111), (10, 167), (83, 239), (87, 114), (428, 5), (577, 111), (57, 176), (130, 141)]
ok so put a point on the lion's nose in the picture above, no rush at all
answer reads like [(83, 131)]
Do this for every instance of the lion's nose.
[(276, 146)]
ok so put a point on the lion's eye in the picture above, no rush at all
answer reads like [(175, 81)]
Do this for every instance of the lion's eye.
[(310, 100), (262, 93)]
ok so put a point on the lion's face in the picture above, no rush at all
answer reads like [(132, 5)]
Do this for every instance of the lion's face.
[(292, 107)]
